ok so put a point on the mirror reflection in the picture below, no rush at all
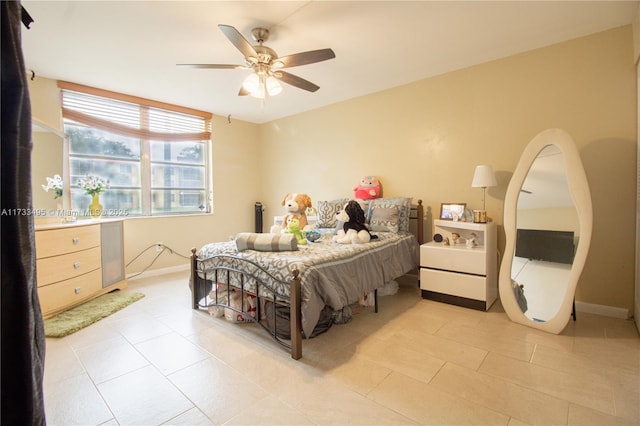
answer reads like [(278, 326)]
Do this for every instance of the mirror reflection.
[(546, 236), (46, 161)]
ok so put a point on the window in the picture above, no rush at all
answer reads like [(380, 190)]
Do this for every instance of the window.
[(155, 155)]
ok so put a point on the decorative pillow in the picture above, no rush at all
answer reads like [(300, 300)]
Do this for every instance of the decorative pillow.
[(404, 209), (366, 207), (327, 211), (384, 219), (266, 242)]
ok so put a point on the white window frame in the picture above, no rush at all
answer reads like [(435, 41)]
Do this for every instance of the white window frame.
[(192, 131)]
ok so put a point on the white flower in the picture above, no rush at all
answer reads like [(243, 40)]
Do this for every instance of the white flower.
[(93, 184), (55, 184)]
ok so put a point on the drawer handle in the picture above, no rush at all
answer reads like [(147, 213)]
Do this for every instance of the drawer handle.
[(76, 290), (75, 240), (76, 265)]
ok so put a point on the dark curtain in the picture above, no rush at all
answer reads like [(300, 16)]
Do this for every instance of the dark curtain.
[(23, 343)]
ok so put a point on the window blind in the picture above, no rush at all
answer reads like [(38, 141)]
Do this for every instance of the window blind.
[(133, 116)]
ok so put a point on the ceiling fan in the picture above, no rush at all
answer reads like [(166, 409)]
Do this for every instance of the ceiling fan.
[(266, 65)]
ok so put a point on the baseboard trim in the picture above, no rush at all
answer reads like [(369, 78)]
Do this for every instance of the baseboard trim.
[(156, 272), (604, 310)]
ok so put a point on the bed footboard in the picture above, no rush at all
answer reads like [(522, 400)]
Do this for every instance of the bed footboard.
[(234, 274)]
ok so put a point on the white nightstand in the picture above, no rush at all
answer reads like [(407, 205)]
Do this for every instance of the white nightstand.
[(458, 274)]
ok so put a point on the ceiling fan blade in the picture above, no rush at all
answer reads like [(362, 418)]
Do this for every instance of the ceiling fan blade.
[(213, 66), (296, 81), (243, 91), (241, 43), (305, 58)]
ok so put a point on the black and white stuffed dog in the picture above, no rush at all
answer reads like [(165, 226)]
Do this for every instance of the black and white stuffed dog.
[(354, 230)]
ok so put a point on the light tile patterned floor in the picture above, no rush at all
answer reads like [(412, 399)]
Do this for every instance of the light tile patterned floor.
[(415, 362)]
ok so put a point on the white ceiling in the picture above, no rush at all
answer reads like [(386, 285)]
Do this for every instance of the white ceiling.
[(133, 46)]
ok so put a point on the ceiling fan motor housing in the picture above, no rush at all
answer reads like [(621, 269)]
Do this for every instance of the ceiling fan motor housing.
[(260, 35)]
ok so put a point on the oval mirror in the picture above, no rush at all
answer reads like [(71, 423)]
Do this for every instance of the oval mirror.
[(547, 222)]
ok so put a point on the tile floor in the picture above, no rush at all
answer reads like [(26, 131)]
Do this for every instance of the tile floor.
[(157, 362)]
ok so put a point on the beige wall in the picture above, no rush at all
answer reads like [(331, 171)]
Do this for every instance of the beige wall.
[(553, 219), (45, 102), (425, 139)]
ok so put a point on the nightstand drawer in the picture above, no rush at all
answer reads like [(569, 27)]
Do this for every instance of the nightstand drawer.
[(459, 259), (463, 285), (54, 242)]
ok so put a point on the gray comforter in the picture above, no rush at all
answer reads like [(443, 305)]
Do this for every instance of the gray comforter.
[(331, 274)]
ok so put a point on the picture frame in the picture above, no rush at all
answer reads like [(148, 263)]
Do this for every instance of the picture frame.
[(452, 211)]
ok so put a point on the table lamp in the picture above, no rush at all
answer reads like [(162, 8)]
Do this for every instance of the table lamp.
[(483, 178)]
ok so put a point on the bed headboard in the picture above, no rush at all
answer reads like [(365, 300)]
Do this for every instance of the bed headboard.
[(417, 217)]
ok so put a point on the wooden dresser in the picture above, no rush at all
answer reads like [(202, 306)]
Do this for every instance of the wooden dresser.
[(77, 262)]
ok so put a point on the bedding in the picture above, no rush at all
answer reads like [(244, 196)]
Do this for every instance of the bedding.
[(331, 274)]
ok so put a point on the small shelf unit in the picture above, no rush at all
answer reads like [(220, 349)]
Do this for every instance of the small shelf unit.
[(456, 273)]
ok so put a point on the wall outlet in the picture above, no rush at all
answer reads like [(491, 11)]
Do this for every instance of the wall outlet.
[(159, 247)]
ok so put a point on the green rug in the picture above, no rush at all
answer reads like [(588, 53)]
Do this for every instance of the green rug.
[(86, 314)]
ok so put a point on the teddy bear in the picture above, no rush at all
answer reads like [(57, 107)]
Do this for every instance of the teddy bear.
[(295, 205), (293, 227), (368, 188), (354, 230)]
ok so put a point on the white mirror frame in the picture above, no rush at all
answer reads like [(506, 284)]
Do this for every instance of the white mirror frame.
[(579, 188)]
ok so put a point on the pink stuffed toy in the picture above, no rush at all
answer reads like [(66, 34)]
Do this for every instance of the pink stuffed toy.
[(367, 189)]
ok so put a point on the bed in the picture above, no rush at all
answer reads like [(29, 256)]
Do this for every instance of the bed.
[(317, 276)]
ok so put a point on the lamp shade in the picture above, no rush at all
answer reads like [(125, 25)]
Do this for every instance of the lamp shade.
[(484, 177)]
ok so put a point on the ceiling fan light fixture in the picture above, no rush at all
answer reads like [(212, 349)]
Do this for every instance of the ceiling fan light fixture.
[(259, 93), (273, 86), (251, 83), (258, 86)]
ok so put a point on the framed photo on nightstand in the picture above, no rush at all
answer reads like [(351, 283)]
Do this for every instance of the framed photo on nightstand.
[(452, 211)]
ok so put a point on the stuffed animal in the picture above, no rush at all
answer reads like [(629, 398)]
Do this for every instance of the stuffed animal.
[(295, 205), (293, 227), (354, 230), (367, 189)]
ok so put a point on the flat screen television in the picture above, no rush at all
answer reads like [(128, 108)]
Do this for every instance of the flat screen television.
[(550, 246)]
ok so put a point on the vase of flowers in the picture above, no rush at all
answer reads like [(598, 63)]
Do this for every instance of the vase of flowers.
[(94, 185)]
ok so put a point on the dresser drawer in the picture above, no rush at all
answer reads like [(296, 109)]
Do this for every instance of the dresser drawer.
[(53, 242), (468, 286), (447, 258), (57, 296), (59, 268)]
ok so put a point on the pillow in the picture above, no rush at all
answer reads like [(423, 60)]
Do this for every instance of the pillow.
[(404, 209), (366, 207), (384, 219), (266, 242), (327, 211)]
